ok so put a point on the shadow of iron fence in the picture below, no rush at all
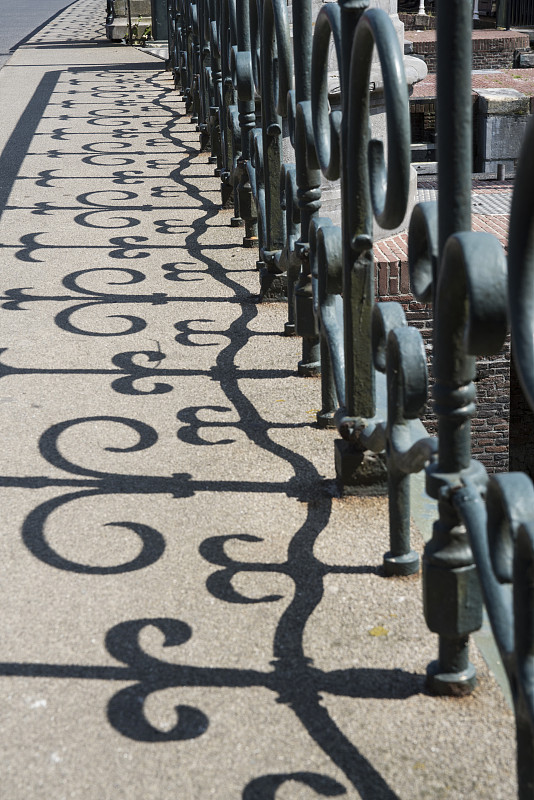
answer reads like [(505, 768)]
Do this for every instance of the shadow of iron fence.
[(283, 98)]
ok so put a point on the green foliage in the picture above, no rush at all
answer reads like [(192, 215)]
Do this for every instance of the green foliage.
[(138, 37)]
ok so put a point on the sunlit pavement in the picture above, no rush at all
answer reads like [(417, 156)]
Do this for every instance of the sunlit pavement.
[(188, 609)]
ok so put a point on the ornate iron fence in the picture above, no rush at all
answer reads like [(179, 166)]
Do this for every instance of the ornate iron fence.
[(273, 125)]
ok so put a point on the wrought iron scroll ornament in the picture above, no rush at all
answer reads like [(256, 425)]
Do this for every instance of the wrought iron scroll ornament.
[(484, 527), (507, 576), (342, 266), (484, 534)]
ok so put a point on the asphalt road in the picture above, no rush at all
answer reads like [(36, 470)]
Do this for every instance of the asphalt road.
[(21, 18)]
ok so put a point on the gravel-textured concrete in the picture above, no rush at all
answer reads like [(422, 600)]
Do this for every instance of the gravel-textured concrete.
[(188, 611)]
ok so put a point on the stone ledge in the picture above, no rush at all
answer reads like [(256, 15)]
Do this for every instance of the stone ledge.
[(499, 102), (118, 29)]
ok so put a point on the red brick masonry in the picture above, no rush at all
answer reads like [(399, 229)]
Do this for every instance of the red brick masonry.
[(520, 79), (490, 427), (491, 49)]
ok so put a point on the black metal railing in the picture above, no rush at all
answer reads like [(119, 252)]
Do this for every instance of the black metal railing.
[(521, 13), (277, 133), (110, 11), (514, 12)]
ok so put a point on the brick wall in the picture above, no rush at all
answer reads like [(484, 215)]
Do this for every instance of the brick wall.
[(417, 22), (490, 439), (489, 52), (521, 428), (423, 120)]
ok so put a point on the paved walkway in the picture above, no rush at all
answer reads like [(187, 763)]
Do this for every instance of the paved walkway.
[(188, 611), (522, 80)]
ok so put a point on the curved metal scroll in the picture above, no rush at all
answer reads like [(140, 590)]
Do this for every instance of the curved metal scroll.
[(502, 538), (399, 352), (384, 193), (521, 266), (502, 534), (326, 121), (365, 165), (366, 188)]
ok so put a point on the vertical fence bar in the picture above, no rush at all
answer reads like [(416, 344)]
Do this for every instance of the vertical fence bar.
[(452, 602), (228, 114), (357, 262), (276, 69), (359, 372), (247, 120), (454, 117), (308, 178), (110, 11), (129, 11)]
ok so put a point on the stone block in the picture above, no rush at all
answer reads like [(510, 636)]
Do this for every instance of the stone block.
[(424, 151), (118, 29), (141, 15), (502, 102), (121, 8), (525, 60), (502, 119), (140, 8)]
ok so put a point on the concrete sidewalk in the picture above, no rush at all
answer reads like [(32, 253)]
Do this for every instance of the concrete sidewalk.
[(188, 610)]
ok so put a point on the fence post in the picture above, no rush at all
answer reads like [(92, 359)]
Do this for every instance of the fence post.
[(308, 179)]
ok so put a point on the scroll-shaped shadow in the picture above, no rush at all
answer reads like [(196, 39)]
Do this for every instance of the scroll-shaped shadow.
[(18, 298), (91, 483), (33, 536), (293, 678), (219, 583), (265, 788), (186, 331), (296, 681), (123, 247), (129, 370), (149, 674), (125, 709), (96, 484), (108, 210), (190, 433)]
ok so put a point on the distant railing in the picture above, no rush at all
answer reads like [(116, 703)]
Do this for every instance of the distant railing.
[(277, 132), (514, 12), (110, 11)]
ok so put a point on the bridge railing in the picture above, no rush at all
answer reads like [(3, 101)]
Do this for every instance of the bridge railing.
[(257, 83)]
